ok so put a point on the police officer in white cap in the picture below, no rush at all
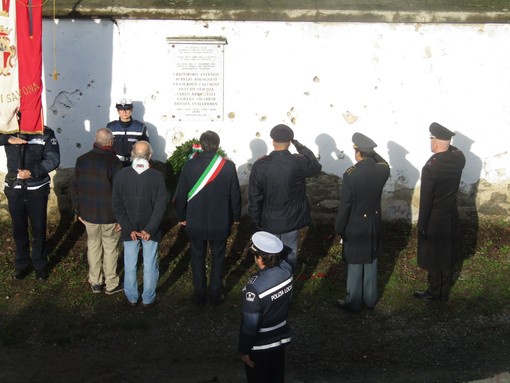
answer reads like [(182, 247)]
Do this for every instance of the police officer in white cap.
[(126, 131), (266, 299)]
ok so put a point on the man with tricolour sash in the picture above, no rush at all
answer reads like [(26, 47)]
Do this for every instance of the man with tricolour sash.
[(208, 203)]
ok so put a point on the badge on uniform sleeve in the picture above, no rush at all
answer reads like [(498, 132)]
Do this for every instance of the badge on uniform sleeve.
[(250, 297), (252, 280)]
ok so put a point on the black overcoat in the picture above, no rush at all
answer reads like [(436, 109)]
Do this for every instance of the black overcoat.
[(439, 246), (358, 220), (210, 214)]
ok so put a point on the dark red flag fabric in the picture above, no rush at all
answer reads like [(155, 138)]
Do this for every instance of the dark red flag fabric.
[(29, 36)]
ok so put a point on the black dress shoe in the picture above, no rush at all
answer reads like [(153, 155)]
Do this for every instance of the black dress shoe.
[(341, 303), (131, 304), (21, 274), (153, 303), (218, 300), (41, 275), (425, 295)]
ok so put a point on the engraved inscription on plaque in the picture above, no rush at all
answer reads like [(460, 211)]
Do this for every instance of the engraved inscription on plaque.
[(196, 73)]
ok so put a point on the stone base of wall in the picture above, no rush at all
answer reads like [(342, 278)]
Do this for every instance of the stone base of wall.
[(480, 201)]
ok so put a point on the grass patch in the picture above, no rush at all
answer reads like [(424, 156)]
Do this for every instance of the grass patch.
[(63, 311)]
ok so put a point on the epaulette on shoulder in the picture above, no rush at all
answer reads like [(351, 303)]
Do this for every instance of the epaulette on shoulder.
[(350, 170), (264, 157)]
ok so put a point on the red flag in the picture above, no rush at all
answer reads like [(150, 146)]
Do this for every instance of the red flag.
[(29, 36)]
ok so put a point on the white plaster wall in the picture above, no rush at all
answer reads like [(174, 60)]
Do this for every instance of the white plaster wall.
[(325, 80)]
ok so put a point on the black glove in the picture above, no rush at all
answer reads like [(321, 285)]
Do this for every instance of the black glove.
[(297, 144)]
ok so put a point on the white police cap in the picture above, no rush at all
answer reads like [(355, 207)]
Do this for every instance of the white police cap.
[(124, 103), (267, 242)]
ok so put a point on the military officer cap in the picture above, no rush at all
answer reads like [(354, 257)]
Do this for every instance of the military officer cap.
[(124, 104), (282, 133), (362, 142), (440, 132), (267, 242)]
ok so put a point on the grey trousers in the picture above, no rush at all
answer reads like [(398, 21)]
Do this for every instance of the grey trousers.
[(290, 239), (361, 285)]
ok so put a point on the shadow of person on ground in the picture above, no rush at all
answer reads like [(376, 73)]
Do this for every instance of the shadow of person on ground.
[(68, 230), (238, 260), (174, 250)]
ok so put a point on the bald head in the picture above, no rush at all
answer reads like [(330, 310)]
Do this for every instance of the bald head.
[(142, 149), (104, 137)]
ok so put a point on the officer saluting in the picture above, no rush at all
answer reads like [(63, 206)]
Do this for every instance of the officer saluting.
[(277, 188), (358, 222), (126, 131), (266, 300)]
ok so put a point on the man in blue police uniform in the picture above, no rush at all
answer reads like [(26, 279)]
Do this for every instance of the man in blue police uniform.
[(126, 131), (358, 222), (30, 159), (439, 240), (266, 299), (277, 188)]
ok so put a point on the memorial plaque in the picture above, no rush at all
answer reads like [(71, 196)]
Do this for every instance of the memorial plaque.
[(196, 73)]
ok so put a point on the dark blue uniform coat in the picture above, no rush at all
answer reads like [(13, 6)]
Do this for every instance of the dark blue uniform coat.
[(438, 218), (358, 220)]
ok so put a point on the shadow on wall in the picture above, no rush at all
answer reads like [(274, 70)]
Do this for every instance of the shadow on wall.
[(76, 114), (258, 149), (404, 177), (157, 142), (332, 159), (467, 201), (468, 194)]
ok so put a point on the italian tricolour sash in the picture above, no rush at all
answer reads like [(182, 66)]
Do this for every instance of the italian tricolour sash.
[(21, 66), (209, 174)]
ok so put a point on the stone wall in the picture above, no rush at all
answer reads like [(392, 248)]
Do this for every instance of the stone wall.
[(481, 201)]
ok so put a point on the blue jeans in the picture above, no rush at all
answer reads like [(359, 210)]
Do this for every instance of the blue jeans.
[(150, 270)]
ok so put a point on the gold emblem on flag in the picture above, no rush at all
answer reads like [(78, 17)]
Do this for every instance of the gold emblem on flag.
[(7, 52)]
